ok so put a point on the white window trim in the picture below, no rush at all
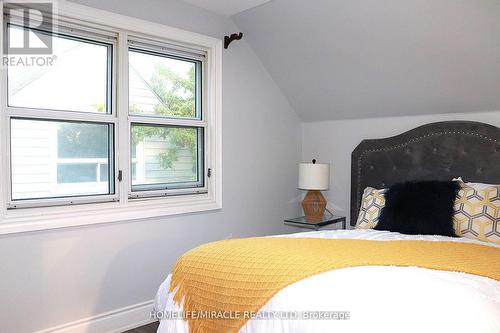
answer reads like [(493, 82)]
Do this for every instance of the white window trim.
[(32, 219)]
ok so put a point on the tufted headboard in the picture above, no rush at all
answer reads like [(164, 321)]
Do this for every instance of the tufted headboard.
[(437, 151)]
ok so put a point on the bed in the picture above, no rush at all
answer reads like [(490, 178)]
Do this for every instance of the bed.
[(387, 298)]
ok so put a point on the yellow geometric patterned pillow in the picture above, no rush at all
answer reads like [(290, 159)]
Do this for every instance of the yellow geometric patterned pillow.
[(371, 206), (477, 212)]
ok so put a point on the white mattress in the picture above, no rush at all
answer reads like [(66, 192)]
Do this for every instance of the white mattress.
[(378, 298)]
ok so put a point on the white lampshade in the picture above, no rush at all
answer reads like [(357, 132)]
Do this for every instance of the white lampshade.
[(314, 176)]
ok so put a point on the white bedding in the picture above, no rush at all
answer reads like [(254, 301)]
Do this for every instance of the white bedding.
[(378, 298)]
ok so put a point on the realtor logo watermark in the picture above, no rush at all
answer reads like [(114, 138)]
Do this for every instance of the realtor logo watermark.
[(28, 40)]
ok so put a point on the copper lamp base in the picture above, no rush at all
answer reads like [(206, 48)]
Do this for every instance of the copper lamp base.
[(314, 205)]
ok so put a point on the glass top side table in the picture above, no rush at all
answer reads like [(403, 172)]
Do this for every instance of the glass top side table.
[(327, 219)]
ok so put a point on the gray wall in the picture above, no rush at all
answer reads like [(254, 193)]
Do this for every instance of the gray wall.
[(333, 142), (345, 59), (53, 277)]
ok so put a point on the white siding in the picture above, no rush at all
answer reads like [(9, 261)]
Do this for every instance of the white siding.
[(34, 167), (140, 94), (182, 170)]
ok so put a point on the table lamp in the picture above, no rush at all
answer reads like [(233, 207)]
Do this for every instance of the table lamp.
[(314, 177)]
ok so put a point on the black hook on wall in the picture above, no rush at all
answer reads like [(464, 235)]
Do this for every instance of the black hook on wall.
[(229, 39)]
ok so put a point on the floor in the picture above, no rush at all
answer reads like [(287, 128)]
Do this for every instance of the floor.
[(150, 328)]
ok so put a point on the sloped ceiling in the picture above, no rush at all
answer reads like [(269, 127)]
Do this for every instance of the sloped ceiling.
[(342, 59), (226, 7)]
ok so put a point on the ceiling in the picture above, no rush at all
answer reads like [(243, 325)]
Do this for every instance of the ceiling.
[(226, 7), (342, 59)]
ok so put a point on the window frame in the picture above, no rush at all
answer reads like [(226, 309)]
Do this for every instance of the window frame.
[(63, 200), (150, 190), (111, 68), (199, 79), (155, 47), (124, 205), (30, 113)]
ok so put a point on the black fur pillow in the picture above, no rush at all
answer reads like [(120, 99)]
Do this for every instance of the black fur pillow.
[(420, 208)]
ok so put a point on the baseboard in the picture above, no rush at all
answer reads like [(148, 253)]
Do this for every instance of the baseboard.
[(115, 321)]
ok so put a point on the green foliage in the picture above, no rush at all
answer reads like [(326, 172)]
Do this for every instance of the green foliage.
[(176, 96), (176, 93), (99, 107)]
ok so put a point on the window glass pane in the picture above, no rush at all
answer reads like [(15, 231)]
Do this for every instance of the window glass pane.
[(76, 173), (162, 86), (77, 80), (77, 141), (104, 173), (166, 156), (59, 159)]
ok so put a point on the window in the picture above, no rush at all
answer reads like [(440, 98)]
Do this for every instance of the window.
[(164, 85), (121, 121), (56, 158), (172, 157), (165, 88), (79, 81), (53, 159)]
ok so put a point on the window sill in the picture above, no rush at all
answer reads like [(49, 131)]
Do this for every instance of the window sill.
[(33, 219)]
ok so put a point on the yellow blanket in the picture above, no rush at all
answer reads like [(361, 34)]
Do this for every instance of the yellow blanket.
[(235, 277)]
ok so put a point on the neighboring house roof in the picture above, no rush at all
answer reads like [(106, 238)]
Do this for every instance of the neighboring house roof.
[(141, 94)]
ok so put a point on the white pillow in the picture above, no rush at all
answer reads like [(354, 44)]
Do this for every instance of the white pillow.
[(477, 186)]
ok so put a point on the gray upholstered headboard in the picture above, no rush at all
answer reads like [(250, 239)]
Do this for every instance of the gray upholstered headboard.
[(437, 151)]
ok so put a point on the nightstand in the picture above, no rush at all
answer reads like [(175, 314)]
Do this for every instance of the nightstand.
[(328, 219)]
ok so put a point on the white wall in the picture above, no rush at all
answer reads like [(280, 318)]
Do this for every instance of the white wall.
[(54, 277), (334, 141)]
